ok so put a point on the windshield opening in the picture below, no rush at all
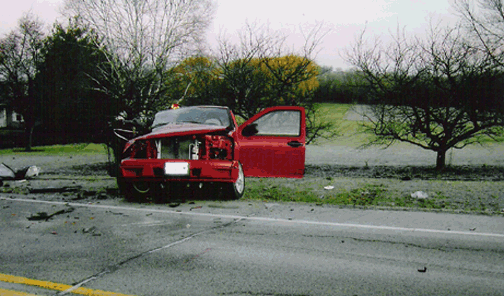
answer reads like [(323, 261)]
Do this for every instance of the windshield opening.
[(197, 115)]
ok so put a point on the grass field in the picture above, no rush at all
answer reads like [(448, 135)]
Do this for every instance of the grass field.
[(71, 149)]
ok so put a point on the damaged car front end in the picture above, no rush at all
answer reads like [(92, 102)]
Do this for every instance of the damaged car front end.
[(187, 147)]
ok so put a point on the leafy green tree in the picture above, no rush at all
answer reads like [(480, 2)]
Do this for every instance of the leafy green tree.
[(20, 55), (338, 86), (68, 79)]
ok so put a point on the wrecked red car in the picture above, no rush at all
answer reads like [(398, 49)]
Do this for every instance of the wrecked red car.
[(203, 147)]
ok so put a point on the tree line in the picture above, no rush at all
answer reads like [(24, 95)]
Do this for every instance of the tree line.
[(119, 62)]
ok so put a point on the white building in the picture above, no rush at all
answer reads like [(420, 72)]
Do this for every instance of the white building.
[(9, 118)]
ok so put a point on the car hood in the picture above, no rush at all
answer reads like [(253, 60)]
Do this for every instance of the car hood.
[(182, 129)]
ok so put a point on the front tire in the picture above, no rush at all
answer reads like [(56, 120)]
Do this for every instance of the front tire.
[(138, 191), (236, 189)]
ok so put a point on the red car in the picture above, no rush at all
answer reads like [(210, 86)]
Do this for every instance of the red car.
[(203, 145)]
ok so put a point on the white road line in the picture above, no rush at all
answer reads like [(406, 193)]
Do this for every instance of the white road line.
[(263, 219)]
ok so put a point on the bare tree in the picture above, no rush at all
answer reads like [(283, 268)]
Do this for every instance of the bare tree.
[(142, 40), (484, 20), (439, 93), (20, 55), (261, 70)]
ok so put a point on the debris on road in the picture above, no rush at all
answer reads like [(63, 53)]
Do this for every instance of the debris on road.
[(419, 195), (44, 216), (92, 230), (7, 173), (56, 189), (422, 269), (329, 187)]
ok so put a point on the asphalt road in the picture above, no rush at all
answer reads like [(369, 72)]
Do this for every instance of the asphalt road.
[(244, 248)]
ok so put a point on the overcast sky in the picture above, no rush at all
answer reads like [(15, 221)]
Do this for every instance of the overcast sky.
[(343, 19)]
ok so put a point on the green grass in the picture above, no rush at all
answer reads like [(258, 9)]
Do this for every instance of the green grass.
[(74, 149), (365, 193), (349, 131)]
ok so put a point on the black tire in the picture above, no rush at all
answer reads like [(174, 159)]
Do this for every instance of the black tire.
[(236, 189), (136, 191)]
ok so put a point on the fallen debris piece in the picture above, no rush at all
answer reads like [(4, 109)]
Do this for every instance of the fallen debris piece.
[(422, 269), (44, 216), (217, 206), (56, 189), (7, 173), (28, 172), (194, 208), (92, 230), (419, 195), (329, 187), (38, 216)]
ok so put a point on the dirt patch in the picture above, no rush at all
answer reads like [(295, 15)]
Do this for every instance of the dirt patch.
[(453, 173)]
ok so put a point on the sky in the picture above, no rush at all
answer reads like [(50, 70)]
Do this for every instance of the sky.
[(341, 21)]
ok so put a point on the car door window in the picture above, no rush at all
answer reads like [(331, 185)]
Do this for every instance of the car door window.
[(278, 123)]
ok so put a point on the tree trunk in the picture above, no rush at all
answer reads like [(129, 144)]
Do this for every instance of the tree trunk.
[(441, 160), (29, 137)]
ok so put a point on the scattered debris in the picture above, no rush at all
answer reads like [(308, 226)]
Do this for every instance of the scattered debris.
[(217, 206), (44, 216), (472, 229), (194, 208), (89, 192), (92, 230), (270, 205), (422, 269), (329, 187), (419, 195), (28, 172), (7, 173), (56, 189)]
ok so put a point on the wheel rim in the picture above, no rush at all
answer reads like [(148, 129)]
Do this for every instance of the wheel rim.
[(141, 187), (240, 182)]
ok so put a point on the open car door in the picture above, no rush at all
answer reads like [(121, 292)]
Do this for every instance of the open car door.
[(272, 143)]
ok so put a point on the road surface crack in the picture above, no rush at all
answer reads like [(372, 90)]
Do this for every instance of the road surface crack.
[(115, 267)]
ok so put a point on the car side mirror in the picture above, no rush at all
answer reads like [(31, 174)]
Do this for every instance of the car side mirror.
[(250, 130)]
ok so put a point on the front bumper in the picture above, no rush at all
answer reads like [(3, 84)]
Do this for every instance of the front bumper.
[(152, 170)]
